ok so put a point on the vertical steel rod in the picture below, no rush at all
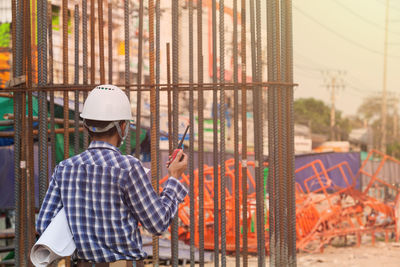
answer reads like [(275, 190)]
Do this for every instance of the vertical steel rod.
[(127, 67), (20, 217), (13, 35), (65, 76), (191, 138), (215, 134), (244, 131), (175, 114), (139, 81), (51, 81), (154, 118), (76, 81), (260, 122), (255, 121), (158, 72), (92, 44), (42, 80), (157, 89), (110, 41), (85, 76), (200, 75), (222, 128), (236, 134), (101, 40), (283, 145), (287, 66), (29, 188), (170, 137)]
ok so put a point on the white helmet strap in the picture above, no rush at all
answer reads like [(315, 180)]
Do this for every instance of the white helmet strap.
[(123, 137), (108, 127)]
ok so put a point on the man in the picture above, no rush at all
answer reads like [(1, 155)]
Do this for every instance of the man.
[(106, 194)]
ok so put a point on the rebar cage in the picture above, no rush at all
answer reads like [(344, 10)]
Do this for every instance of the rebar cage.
[(208, 84)]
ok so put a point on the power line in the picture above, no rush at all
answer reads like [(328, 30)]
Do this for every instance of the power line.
[(362, 18), (339, 34), (392, 7)]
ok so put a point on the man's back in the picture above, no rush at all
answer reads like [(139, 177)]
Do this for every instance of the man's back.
[(105, 195)]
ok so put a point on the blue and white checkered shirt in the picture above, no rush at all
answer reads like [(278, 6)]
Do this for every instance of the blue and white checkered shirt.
[(105, 194)]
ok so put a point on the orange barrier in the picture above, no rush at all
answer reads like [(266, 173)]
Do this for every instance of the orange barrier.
[(324, 210)]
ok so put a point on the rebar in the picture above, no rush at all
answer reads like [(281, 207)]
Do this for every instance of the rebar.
[(170, 149), (65, 76), (110, 41), (19, 249), (154, 119), (222, 128), (244, 131), (215, 134), (200, 112), (139, 81), (92, 44), (29, 188), (13, 35), (175, 113), (42, 80), (127, 69), (236, 134), (259, 144), (191, 138), (101, 40), (85, 76), (282, 211), (158, 71), (271, 140), (287, 66), (76, 81), (256, 121), (284, 136)]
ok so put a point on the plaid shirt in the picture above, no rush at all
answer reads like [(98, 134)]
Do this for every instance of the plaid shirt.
[(105, 194)]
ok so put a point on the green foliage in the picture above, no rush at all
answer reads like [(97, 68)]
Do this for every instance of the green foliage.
[(371, 111), (5, 36), (393, 149), (55, 17), (316, 114)]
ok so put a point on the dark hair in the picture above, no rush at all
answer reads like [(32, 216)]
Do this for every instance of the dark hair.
[(101, 124)]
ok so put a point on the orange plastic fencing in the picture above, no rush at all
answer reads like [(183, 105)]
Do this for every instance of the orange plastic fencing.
[(324, 210)]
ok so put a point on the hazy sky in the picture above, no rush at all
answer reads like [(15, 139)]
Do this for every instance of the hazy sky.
[(345, 35)]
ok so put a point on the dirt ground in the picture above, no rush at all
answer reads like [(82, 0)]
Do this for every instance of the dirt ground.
[(380, 255)]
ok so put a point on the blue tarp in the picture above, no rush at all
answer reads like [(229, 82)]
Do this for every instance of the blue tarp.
[(328, 160), (7, 181)]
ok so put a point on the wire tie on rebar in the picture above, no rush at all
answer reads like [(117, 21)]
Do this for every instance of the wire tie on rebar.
[(244, 163), (22, 164), (256, 163)]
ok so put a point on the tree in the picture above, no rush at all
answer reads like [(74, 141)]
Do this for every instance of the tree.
[(370, 111), (316, 114)]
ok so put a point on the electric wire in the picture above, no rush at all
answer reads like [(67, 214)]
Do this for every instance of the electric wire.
[(341, 36)]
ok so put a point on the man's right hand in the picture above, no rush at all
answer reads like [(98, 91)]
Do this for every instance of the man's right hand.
[(178, 165)]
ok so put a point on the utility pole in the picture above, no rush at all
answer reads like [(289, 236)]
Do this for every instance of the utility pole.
[(333, 119), (395, 121), (333, 81), (384, 96)]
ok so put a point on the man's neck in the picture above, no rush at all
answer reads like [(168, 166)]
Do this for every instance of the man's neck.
[(114, 140)]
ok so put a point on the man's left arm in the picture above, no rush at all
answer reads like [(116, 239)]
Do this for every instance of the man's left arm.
[(51, 205)]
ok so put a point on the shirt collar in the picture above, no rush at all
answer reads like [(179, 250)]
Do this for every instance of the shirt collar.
[(102, 144)]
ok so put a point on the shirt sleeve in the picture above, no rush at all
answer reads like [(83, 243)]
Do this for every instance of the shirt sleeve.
[(51, 205), (155, 212)]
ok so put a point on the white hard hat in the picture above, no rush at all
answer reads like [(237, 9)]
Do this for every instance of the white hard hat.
[(107, 103)]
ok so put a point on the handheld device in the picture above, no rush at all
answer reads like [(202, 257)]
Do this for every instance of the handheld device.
[(179, 145)]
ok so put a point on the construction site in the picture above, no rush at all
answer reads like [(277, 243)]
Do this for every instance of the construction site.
[(261, 192)]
